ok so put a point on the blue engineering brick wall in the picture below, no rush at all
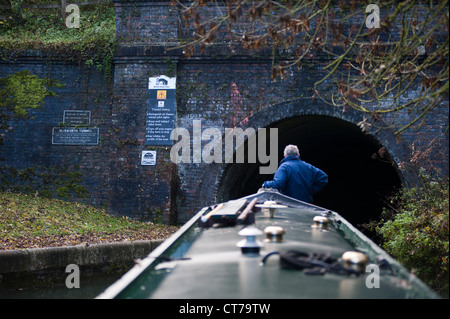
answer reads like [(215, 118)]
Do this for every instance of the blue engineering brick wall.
[(223, 88)]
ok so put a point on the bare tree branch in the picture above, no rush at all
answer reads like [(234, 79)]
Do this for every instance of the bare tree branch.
[(371, 70)]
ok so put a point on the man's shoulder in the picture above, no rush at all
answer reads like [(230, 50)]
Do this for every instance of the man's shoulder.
[(299, 163), (292, 161)]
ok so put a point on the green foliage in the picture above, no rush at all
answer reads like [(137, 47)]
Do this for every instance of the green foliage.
[(21, 92), (44, 31), (16, 6), (415, 231), (54, 181)]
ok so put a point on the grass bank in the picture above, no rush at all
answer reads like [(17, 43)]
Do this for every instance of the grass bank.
[(28, 221)]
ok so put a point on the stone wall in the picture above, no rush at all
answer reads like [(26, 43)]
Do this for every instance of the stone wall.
[(223, 87), (28, 144)]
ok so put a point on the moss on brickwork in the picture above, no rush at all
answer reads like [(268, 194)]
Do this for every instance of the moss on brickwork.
[(44, 31), (20, 93), (55, 181)]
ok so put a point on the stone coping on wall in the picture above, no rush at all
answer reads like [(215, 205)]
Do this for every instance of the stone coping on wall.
[(36, 259)]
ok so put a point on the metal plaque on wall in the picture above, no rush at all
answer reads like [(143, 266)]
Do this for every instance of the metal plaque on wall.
[(75, 135), (148, 158), (77, 117)]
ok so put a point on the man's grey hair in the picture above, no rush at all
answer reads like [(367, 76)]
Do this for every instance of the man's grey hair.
[(291, 150)]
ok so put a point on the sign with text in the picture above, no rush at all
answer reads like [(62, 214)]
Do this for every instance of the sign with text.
[(148, 158), (75, 136), (160, 117), (77, 117)]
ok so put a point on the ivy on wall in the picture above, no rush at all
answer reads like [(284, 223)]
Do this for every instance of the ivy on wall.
[(50, 182), (43, 30), (20, 93)]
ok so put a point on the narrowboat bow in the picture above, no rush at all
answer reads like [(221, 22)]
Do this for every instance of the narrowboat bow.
[(268, 246)]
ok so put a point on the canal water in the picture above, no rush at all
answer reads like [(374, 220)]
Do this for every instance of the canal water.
[(89, 288)]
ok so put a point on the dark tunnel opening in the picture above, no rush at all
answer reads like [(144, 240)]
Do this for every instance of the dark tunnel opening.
[(359, 182)]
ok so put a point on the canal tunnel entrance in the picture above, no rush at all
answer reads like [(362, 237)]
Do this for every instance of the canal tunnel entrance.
[(360, 175)]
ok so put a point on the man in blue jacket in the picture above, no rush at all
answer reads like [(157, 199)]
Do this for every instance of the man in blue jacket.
[(296, 178)]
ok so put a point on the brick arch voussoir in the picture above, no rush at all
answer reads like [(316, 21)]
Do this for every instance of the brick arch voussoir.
[(397, 149)]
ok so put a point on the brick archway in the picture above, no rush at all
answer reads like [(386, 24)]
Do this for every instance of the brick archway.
[(331, 140)]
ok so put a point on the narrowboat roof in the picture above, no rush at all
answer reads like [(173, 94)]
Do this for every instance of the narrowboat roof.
[(208, 262)]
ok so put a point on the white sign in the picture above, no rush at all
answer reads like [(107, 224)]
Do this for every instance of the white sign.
[(162, 82), (148, 158)]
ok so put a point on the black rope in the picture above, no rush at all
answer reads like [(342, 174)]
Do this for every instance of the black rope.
[(311, 263)]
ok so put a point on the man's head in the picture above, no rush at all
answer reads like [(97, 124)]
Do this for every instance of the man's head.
[(291, 150)]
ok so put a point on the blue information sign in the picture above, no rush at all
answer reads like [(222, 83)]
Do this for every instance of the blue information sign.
[(161, 106)]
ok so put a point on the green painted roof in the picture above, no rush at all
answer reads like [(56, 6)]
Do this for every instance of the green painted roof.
[(207, 263)]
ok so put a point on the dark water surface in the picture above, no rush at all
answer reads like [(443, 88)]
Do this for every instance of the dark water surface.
[(89, 288)]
